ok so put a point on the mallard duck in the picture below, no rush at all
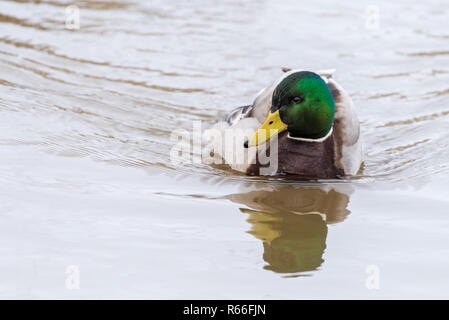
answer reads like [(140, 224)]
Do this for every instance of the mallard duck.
[(313, 119)]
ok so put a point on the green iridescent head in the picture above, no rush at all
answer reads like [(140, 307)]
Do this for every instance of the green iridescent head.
[(305, 105)]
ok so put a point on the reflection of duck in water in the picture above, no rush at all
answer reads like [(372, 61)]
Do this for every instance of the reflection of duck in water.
[(292, 224)]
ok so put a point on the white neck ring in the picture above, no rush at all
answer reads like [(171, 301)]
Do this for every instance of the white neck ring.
[(312, 140)]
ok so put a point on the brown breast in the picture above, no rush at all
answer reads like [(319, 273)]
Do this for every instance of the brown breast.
[(304, 159)]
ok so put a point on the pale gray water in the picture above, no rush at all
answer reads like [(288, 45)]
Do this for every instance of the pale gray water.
[(86, 177)]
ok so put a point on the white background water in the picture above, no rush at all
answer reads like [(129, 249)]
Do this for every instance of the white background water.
[(86, 177)]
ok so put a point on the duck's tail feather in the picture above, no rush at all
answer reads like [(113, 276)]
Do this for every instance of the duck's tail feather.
[(237, 114)]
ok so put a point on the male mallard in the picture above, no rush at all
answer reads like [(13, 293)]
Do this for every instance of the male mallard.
[(314, 120)]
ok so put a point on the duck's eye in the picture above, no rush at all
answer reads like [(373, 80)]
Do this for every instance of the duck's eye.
[(297, 100)]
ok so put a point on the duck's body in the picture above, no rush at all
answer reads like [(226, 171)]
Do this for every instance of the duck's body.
[(333, 152)]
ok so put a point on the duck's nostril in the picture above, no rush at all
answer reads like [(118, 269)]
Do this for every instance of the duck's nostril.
[(246, 144)]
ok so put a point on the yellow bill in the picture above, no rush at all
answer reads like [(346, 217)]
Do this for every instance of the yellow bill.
[(271, 127)]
